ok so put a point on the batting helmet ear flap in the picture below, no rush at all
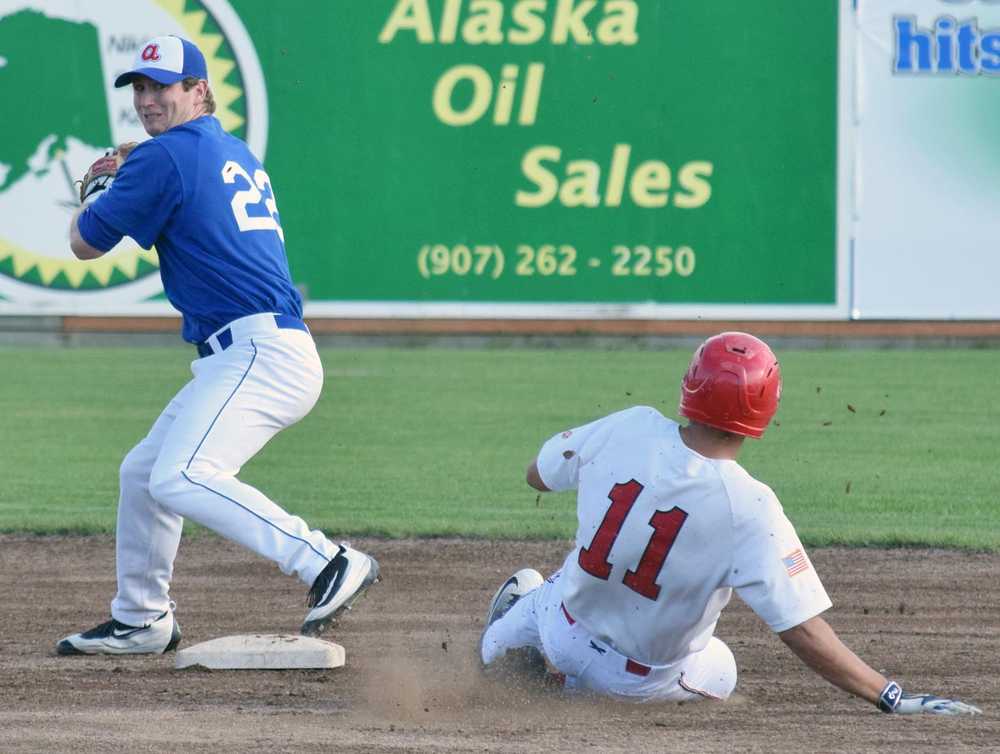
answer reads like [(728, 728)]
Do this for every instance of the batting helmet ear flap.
[(733, 383)]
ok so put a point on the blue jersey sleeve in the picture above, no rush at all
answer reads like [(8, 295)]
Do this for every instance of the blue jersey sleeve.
[(140, 201), (96, 232)]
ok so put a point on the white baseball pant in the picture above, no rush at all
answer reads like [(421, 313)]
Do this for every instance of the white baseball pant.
[(539, 619), (186, 467)]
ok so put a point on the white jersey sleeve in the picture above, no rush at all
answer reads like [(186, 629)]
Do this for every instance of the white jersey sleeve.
[(770, 569), (561, 457)]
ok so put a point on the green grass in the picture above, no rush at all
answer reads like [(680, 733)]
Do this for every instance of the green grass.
[(435, 442)]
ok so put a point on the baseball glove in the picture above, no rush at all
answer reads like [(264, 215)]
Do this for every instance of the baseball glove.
[(100, 175)]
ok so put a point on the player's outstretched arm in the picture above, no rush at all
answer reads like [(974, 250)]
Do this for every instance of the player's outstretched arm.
[(819, 647)]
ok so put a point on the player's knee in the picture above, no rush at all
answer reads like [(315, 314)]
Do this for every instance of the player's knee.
[(709, 674), (168, 485), (171, 484), (134, 471), (163, 485), (721, 680)]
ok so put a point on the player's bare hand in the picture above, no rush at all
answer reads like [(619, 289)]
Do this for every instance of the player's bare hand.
[(893, 700), (99, 175)]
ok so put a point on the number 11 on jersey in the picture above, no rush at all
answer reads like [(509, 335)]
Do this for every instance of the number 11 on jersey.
[(666, 526)]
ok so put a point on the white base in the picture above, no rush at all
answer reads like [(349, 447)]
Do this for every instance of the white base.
[(262, 652)]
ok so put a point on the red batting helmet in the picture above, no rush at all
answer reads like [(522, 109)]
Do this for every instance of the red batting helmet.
[(733, 383)]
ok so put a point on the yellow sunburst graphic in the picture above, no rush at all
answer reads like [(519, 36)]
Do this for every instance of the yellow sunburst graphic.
[(24, 263)]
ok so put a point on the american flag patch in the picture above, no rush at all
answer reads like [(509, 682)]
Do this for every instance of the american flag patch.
[(796, 562)]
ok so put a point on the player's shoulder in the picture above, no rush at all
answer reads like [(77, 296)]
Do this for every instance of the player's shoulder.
[(632, 426), (188, 143), (188, 135), (180, 134), (748, 496), (146, 149), (636, 424), (643, 416), (178, 143), (149, 160)]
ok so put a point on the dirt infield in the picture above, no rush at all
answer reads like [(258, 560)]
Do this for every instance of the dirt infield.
[(929, 618)]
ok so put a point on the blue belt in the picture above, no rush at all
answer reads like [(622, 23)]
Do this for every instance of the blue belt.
[(225, 336)]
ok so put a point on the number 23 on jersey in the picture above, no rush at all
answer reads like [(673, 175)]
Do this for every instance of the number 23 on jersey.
[(251, 196), (666, 526)]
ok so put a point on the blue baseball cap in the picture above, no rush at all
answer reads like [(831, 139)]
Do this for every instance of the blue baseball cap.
[(167, 60)]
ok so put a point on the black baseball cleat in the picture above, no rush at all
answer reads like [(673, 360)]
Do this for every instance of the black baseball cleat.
[(115, 638), (342, 583)]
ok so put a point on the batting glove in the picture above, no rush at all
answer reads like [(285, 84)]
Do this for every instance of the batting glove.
[(893, 700)]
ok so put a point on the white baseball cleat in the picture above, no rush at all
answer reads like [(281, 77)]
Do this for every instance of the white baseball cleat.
[(523, 660), (338, 586), (115, 638), (518, 585)]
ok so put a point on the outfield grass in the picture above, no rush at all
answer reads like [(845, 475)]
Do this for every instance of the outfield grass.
[(435, 442)]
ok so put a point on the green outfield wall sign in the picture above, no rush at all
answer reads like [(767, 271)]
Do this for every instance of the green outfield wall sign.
[(580, 157)]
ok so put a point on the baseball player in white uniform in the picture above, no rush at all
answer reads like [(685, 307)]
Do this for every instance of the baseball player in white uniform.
[(669, 525), (204, 200)]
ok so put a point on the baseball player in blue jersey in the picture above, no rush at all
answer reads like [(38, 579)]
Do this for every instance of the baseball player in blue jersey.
[(204, 200)]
